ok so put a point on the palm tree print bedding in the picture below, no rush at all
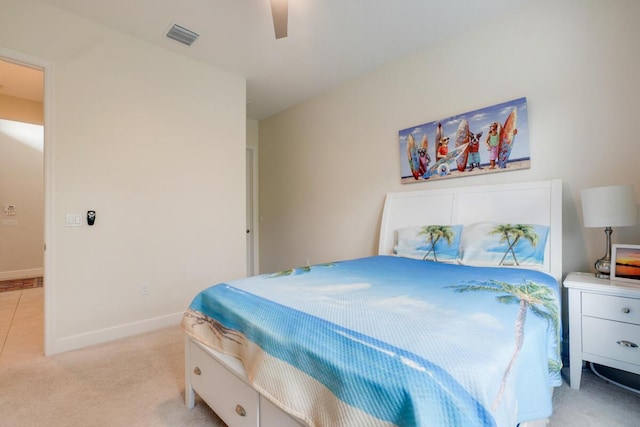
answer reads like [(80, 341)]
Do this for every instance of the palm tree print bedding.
[(387, 340)]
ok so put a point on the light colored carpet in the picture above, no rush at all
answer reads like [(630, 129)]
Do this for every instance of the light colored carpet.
[(139, 381), (597, 404)]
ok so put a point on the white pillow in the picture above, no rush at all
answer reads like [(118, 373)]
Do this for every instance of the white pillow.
[(503, 245), (429, 242)]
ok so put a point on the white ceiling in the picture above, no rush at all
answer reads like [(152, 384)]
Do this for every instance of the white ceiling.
[(329, 41)]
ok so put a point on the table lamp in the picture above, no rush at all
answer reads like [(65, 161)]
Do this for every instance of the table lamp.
[(613, 206)]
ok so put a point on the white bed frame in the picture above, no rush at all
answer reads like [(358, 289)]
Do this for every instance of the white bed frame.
[(221, 381)]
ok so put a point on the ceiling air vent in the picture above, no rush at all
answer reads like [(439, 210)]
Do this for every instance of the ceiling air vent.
[(182, 35)]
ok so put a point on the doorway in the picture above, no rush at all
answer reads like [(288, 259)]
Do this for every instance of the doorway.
[(23, 322), (251, 200)]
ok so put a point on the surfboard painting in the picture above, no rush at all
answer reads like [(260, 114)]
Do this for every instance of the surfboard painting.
[(470, 149)]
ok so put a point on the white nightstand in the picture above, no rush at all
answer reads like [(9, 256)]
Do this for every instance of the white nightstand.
[(604, 324)]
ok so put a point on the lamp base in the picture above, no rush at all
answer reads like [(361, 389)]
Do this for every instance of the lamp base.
[(603, 269), (603, 265)]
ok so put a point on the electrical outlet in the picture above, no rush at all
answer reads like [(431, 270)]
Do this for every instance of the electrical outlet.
[(144, 288)]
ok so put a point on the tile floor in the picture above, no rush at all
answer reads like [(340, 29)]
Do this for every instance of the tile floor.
[(21, 325)]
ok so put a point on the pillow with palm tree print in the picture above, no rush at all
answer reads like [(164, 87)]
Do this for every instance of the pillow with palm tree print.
[(438, 243), (503, 245)]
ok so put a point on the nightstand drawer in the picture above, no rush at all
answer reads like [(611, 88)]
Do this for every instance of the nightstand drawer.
[(611, 307), (614, 340)]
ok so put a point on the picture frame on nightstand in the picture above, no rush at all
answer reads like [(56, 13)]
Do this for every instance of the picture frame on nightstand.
[(625, 263)]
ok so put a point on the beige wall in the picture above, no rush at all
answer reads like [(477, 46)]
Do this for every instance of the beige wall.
[(153, 142), (325, 165)]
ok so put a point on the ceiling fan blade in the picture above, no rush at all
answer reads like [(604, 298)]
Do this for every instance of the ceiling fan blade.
[(280, 13)]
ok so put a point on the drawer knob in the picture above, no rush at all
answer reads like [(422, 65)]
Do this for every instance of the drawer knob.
[(197, 371), (626, 343), (626, 310), (240, 411)]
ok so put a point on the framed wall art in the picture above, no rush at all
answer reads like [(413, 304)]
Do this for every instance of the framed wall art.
[(625, 263), (489, 140)]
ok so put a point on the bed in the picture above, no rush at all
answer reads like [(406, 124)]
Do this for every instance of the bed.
[(442, 327)]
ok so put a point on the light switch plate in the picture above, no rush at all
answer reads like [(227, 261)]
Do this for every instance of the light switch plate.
[(74, 220)]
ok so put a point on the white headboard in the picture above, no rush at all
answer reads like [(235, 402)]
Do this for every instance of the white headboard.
[(525, 203)]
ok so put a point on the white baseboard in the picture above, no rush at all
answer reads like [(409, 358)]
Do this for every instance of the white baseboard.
[(87, 339), (21, 274)]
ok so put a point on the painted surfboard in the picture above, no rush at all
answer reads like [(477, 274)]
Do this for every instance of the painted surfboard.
[(417, 156), (450, 158), (412, 156), (423, 156), (507, 136), (438, 139), (462, 138)]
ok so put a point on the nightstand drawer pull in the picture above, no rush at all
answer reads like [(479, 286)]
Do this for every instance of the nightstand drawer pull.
[(240, 411), (625, 343), (197, 371), (626, 310)]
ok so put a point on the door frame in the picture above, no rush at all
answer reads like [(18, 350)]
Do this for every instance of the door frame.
[(252, 186), (49, 241)]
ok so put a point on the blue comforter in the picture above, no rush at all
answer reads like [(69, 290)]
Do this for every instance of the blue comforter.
[(391, 341)]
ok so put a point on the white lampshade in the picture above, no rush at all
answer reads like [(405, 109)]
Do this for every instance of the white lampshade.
[(613, 206)]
